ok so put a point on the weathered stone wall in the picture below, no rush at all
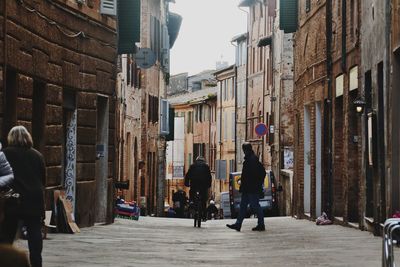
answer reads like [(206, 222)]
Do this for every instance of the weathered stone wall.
[(38, 51)]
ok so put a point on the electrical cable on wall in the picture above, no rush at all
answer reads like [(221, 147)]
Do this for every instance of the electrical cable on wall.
[(61, 29)]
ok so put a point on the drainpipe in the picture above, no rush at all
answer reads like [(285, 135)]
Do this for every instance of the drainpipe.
[(5, 61), (344, 36), (329, 100), (247, 71), (236, 112), (390, 205)]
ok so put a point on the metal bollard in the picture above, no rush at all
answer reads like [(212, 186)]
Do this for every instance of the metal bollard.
[(390, 227)]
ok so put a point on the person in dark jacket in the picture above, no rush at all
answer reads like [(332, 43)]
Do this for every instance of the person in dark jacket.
[(29, 177), (198, 178), (252, 178), (179, 198)]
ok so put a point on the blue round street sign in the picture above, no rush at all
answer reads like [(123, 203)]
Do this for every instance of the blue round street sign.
[(261, 129)]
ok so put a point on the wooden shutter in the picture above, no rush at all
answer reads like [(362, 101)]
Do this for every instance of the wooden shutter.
[(164, 117)]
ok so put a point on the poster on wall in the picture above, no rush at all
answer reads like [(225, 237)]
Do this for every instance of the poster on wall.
[(288, 158)]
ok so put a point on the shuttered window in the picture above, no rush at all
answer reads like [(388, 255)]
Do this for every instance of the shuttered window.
[(288, 15), (108, 7), (164, 117)]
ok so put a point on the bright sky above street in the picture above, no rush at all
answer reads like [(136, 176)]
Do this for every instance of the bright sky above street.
[(207, 29)]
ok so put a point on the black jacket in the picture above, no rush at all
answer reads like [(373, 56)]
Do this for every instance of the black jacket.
[(198, 176), (29, 177), (253, 174)]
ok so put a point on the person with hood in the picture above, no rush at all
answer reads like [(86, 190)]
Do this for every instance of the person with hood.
[(29, 177), (198, 178), (252, 179)]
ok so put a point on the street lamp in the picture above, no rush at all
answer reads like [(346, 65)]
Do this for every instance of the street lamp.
[(359, 103)]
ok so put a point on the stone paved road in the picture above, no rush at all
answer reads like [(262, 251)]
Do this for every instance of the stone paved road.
[(174, 242)]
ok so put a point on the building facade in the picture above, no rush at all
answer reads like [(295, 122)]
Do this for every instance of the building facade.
[(240, 106), (282, 113), (310, 189), (58, 76), (226, 129), (194, 135)]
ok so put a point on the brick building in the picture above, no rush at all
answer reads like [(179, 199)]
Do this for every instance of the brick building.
[(282, 118), (58, 79), (240, 101), (144, 112), (310, 93), (226, 129), (393, 125), (194, 135), (327, 59), (259, 73)]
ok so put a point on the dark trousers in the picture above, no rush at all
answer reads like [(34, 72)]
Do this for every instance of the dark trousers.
[(34, 228), (203, 197), (253, 200)]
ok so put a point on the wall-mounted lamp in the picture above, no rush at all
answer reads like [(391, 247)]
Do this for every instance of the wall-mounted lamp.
[(359, 103)]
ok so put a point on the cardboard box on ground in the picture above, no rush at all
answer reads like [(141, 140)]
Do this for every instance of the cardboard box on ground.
[(62, 216)]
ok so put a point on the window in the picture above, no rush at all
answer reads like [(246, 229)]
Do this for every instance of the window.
[(233, 125), (253, 60), (308, 5), (354, 20), (189, 122), (225, 126), (152, 109)]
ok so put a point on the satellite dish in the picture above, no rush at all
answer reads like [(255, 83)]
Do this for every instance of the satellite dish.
[(145, 58)]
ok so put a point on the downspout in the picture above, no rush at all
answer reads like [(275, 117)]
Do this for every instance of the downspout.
[(220, 129), (344, 36), (236, 109), (392, 203), (247, 72), (329, 101), (236, 115), (5, 61)]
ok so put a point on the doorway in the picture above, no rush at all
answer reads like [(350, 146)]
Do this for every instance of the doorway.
[(101, 158), (307, 160), (318, 159)]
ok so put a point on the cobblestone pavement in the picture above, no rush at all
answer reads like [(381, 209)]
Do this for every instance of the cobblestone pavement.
[(174, 242)]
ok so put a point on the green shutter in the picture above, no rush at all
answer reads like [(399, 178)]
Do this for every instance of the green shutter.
[(172, 114), (288, 15), (128, 25)]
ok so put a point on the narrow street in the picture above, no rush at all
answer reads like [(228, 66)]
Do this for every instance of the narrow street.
[(173, 242)]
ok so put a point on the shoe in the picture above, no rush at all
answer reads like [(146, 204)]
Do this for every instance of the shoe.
[(259, 228), (234, 226)]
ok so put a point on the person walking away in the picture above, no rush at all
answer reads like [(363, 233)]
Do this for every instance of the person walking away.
[(253, 175), (212, 210), (29, 177), (179, 199), (198, 178)]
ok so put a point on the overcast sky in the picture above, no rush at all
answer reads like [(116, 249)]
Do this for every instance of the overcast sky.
[(207, 29)]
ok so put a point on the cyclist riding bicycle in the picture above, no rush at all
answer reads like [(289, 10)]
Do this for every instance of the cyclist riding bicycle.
[(198, 178)]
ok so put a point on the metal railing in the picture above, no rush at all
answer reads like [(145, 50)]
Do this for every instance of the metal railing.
[(391, 226)]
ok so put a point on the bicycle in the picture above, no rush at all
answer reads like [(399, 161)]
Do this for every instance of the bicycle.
[(197, 209)]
